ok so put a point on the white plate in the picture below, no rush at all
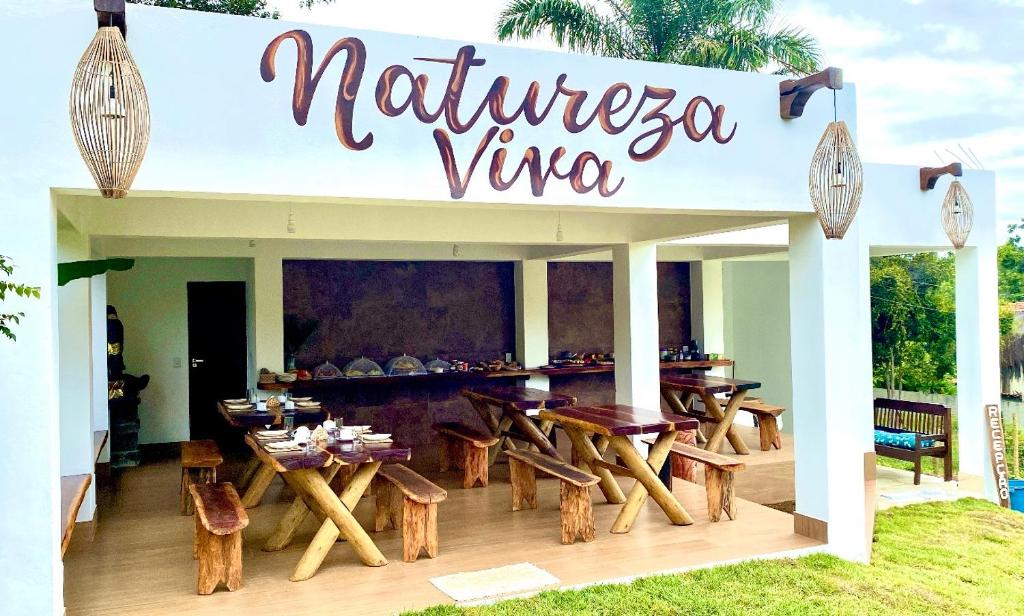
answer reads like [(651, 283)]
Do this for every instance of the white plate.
[(236, 401), (238, 407), (271, 433), (282, 446), (375, 438), (302, 399)]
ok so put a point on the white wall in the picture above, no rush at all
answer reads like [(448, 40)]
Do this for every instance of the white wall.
[(75, 360), (151, 300), (757, 329)]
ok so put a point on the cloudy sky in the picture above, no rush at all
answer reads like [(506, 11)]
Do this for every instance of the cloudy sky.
[(932, 75)]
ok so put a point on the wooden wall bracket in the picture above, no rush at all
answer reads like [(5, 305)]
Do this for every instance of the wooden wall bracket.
[(794, 93), (931, 175), (111, 13)]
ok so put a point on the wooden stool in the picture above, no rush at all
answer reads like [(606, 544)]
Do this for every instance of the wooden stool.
[(203, 457), (219, 521), (465, 448), (407, 499), (767, 423), (577, 514)]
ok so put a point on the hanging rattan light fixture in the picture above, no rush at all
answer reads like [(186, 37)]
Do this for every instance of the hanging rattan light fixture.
[(110, 112), (957, 214), (836, 180)]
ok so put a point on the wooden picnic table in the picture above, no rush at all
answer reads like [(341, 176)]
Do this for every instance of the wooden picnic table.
[(309, 475), (504, 407), (254, 480), (593, 429), (680, 391)]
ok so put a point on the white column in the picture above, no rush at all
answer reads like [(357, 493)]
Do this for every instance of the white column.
[(977, 361), (531, 278), (707, 304), (268, 313), (98, 319), (831, 359), (635, 285), (75, 370)]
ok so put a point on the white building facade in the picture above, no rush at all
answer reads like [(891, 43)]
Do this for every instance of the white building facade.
[(405, 146)]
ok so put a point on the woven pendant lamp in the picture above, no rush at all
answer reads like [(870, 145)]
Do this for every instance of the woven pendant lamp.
[(836, 180), (110, 112), (957, 214)]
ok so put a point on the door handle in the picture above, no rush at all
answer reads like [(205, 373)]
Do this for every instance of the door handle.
[(196, 362)]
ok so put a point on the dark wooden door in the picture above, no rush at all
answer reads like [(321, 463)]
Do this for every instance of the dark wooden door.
[(217, 354)]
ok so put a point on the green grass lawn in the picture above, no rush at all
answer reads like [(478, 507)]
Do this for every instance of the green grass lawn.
[(964, 557)]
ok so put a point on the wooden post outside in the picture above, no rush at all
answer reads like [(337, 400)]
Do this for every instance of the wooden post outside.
[(1016, 446)]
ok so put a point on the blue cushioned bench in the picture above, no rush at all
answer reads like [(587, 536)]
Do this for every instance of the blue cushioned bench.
[(912, 430)]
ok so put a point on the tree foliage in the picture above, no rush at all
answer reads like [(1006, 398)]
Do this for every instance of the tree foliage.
[(731, 34), (9, 320), (251, 8), (913, 314), (1011, 266), (913, 322)]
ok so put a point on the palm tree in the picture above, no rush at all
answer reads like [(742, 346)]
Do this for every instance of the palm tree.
[(731, 34)]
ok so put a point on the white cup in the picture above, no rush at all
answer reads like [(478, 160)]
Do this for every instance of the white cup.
[(289, 405), (301, 434), (261, 405), (282, 398), (329, 424), (346, 434)]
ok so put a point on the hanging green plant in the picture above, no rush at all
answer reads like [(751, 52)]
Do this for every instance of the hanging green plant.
[(73, 270), (10, 319)]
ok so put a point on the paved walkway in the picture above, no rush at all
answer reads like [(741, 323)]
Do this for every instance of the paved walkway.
[(896, 488)]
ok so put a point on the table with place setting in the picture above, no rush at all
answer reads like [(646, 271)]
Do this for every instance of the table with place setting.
[(245, 414), (308, 465)]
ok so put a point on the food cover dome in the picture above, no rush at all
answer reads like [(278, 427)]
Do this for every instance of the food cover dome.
[(404, 365), (437, 365), (326, 370), (362, 367)]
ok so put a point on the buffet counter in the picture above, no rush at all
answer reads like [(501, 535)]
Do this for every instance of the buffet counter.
[(476, 376)]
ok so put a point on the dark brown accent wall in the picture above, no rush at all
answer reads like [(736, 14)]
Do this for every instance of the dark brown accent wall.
[(580, 313), (381, 309)]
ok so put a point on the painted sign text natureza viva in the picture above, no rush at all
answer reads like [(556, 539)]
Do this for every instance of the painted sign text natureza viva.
[(615, 112)]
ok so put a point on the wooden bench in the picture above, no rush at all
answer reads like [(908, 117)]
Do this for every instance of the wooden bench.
[(464, 448), (408, 501), (219, 521), (927, 422), (574, 507), (202, 457), (719, 472), (73, 489), (767, 422)]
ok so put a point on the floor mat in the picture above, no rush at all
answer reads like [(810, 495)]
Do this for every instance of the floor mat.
[(487, 583)]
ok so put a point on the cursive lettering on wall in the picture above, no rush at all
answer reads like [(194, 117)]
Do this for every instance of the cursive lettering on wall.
[(614, 112)]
